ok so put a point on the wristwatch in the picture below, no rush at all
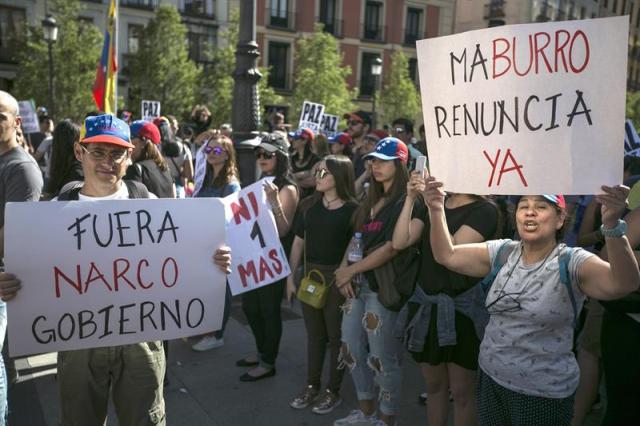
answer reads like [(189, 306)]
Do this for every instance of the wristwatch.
[(616, 232)]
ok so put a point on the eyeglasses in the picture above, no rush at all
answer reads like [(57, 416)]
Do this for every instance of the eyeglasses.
[(264, 154), (320, 173), (509, 302), (217, 150), (117, 155), (354, 122)]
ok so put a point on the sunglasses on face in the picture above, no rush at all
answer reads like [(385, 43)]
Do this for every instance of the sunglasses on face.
[(217, 150), (117, 155), (265, 155), (320, 173), (354, 122)]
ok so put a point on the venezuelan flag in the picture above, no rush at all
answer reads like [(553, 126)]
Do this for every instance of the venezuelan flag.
[(105, 86)]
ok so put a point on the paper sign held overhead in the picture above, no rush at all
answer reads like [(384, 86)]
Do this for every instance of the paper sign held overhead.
[(113, 272), (329, 125), (30, 123), (150, 110), (311, 116), (258, 256), (526, 109)]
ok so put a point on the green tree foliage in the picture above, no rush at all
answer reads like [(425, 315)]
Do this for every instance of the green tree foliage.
[(216, 89), (633, 108), (320, 76), (161, 69), (399, 96), (75, 57)]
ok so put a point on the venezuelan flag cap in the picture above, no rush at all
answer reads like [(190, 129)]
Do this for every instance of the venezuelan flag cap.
[(106, 128)]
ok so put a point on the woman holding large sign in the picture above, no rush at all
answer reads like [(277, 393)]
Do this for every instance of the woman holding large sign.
[(527, 370), (262, 306)]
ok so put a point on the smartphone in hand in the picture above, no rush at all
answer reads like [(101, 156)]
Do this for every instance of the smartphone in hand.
[(421, 164)]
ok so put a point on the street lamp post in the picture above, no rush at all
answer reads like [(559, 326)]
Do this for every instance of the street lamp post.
[(376, 71), (245, 110), (50, 31)]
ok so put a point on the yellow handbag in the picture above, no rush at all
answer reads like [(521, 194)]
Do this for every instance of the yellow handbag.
[(312, 292)]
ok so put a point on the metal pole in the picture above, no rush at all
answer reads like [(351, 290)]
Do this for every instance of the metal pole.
[(51, 98), (373, 95), (245, 112)]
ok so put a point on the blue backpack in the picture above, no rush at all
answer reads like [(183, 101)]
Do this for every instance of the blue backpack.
[(565, 256)]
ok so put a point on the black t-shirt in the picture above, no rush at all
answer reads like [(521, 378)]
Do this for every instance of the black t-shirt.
[(379, 229), (156, 180), (434, 278), (328, 232)]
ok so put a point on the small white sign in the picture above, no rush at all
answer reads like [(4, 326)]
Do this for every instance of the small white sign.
[(113, 272), (526, 109), (150, 110), (329, 125), (30, 123), (311, 116), (258, 256)]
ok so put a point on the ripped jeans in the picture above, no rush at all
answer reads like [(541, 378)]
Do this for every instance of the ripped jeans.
[(365, 322)]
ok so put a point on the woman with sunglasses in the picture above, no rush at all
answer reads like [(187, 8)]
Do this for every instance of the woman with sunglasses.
[(262, 306), (149, 167), (446, 363), (302, 161), (220, 180), (369, 348), (528, 373), (323, 229)]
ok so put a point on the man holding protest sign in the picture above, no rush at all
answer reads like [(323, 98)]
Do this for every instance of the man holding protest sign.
[(132, 373)]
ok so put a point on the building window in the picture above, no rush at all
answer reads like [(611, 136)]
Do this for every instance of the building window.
[(140, 4), (199, 8), (583, 12), (615, 6), (279, 15), (412, 30), (12, 31), (367, 80), (328, 17), (133, 38), (279, 64), (372, 21), (413, 70), (200, 45)]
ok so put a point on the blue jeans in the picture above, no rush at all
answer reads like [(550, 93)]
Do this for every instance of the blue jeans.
[(365, 322), (3, 373)]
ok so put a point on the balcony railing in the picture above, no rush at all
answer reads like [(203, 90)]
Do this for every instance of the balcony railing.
[(334, 27), (140, 4), (494, 9), (281, 20), (375, 33), (410, 37), (194, 12)]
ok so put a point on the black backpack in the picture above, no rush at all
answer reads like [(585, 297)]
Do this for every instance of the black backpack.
[(70, 191)]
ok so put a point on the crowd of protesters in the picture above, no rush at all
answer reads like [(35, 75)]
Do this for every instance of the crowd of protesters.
[(504, 316)]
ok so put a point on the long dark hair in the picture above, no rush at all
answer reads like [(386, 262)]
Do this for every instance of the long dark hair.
[(151, 152), (376, 192), (307, 153), (229, 171), (63, 159)]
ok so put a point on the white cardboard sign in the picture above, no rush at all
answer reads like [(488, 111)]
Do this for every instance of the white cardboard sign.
[(29, 117), (329, 125), (258, 256), (526, 109), (311, 116), (150, 110), (117, 272)]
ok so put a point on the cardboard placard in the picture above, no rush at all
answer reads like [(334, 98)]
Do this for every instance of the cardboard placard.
[(150, 110), (311, 116), (30, 123), (526, 109)]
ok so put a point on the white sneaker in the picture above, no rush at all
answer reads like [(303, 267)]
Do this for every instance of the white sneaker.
[(356, 418), (207, 343)]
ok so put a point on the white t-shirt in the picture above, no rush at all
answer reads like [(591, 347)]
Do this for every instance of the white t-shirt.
[(527, 345), (121, 194)]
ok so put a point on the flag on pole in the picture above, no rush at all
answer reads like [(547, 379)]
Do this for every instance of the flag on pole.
[(105, 86)]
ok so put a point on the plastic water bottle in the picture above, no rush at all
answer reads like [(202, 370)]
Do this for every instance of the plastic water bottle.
[(354, 255)]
